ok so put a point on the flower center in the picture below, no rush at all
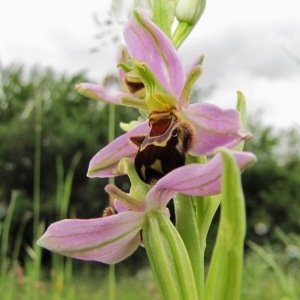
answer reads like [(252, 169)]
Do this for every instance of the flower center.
[(164, 148)]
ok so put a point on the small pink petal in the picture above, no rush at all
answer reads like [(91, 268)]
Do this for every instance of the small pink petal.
[(214, 127), (108, 239), (119, 206), (194, 179), (148, 43), (100, 93), (105, 162)]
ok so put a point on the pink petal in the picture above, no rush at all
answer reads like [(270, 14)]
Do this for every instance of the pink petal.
[(105, 162), (194, 179), (214, 127), (100, 93), (108, 239), (119, 206), (147, 42)]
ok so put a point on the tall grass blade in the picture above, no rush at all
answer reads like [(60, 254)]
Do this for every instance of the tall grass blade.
[(4, 260)]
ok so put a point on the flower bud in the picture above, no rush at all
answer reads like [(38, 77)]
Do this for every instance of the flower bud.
[(190, 11)]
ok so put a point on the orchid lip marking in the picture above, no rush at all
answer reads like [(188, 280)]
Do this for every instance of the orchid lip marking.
[(164, 148)]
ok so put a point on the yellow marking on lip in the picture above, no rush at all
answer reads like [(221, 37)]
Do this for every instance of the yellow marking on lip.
[(143, 172), (160, 140), (157, 166)]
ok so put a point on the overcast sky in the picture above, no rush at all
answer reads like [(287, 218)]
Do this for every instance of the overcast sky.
[(249, 45)]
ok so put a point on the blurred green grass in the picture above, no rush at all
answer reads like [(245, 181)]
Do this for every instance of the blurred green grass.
[(260, 281)]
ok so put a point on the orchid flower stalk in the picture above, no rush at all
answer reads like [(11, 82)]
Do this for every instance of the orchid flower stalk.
[(180, 151)]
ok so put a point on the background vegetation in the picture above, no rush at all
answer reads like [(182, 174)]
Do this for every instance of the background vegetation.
[(48, 135)]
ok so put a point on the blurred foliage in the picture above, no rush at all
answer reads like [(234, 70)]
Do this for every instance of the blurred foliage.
[(70, 123), (272, 185)]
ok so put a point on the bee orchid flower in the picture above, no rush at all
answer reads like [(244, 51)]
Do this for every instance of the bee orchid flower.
[(114, 237), (157, 83)]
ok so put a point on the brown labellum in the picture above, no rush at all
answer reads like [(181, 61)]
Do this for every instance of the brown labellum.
[(164, 149)]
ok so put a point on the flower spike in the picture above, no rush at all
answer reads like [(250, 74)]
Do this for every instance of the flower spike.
[(174, 126)]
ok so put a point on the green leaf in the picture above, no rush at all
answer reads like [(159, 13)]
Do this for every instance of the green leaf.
[(193, 219), (168, 258), (186, 224), (225, 271)]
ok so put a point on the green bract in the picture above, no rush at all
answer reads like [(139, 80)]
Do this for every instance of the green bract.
[(225, 271)]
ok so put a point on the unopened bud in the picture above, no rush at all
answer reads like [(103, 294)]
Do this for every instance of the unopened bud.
[(190, 11)]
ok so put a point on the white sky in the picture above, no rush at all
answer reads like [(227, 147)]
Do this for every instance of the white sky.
[(245, 43)]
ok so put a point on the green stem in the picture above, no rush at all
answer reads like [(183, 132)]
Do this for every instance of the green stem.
[(67, 185), (5, 235), (181, 33), (36, 185), (112, 282), (37, 165), (18, 240)]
